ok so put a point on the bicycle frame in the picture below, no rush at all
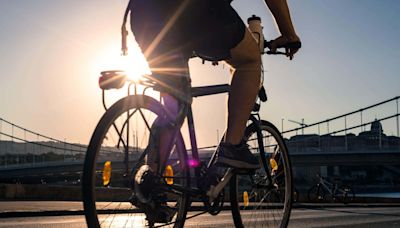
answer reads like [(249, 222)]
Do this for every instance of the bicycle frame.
[(330, 187), (254, 118), (176, 118)]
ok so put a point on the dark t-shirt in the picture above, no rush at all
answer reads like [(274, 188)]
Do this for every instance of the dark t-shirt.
[(208, 28)]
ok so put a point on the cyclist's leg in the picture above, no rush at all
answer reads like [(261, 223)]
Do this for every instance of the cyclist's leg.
[(158, 37), (164, 136), (246, 60), (169, 68)]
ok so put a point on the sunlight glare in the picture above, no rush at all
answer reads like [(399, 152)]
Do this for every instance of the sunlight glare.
[(134, 64)]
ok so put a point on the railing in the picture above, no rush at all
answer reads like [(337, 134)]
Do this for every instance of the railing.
[(20, 146), (345, 138)]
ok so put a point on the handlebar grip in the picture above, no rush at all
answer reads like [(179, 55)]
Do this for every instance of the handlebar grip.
[(291, 45), (262, 94)]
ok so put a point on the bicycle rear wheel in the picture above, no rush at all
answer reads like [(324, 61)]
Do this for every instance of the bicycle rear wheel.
[(116, 152), (264, 198)]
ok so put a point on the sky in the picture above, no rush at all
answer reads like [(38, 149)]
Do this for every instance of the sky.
[(52, 52)]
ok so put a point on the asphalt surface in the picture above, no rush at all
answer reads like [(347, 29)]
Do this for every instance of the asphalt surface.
[(332, 217), (69, 214)]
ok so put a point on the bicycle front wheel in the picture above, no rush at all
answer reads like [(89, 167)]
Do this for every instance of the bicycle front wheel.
[(263, 198), (119, 147)]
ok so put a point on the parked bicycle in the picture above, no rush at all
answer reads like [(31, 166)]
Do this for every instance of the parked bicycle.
[(328, 191), (119, 188)]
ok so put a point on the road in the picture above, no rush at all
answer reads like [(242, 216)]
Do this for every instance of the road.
[(351, 216)]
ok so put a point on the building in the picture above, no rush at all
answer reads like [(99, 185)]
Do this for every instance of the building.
[(369, 161)]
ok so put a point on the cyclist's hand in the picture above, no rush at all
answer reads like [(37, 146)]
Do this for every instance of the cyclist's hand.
[(291, 45)]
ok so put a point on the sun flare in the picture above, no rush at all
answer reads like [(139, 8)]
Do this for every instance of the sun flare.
[(134, 64)]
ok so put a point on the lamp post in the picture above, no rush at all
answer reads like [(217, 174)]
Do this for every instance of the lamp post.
[(397, 117), (65, 147)]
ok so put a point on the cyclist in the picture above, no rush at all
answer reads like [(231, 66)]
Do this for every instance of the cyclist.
[(170, 32)]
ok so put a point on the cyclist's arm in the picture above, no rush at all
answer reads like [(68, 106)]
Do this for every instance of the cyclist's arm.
[(280, 11)]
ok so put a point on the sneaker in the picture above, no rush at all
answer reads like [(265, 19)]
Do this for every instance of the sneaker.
[(237, 156), (228, 156)]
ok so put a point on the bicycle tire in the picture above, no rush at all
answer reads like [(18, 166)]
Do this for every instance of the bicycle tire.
[(345, 194), (274, 193), (116, 198)]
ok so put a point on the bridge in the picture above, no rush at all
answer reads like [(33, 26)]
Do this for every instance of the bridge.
[(351, 145)]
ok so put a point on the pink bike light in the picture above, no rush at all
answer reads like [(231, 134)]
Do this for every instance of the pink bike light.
[(193, 163)]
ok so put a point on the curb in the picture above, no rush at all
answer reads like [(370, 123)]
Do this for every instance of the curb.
[(19, 214)]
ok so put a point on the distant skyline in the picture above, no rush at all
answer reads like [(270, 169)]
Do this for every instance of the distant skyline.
[(53, 51)]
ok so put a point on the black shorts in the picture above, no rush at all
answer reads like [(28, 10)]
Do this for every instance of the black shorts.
[(207, 28)]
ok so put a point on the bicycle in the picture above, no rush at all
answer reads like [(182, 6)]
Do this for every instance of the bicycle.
[(325, 190), (118, 186)]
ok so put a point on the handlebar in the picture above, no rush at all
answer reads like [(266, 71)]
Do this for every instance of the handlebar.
[(291, 45)]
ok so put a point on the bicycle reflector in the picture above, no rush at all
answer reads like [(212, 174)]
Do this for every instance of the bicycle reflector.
[(245, 198), (169, 174), (106, 173), (274, 164), (112, 79)]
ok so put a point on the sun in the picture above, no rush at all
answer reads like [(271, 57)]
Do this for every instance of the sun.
[(110, 58), (134, 64)]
